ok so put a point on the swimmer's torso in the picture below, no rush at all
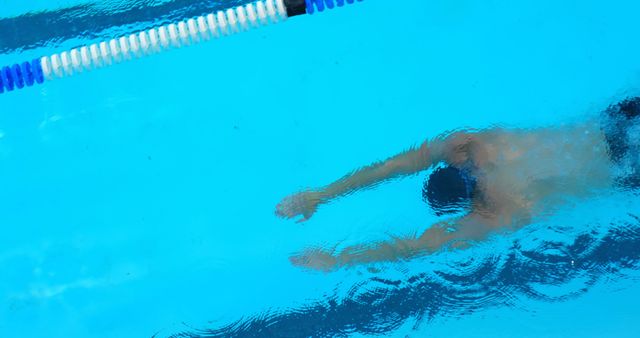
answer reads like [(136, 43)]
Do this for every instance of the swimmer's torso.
[(534, 168)]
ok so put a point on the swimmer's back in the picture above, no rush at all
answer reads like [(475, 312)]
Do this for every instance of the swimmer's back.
[(535, 164)]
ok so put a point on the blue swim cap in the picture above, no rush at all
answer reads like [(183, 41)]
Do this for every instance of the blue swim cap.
[(449, 190)]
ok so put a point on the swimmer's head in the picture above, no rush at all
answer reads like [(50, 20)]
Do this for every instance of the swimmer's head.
[(449, 190)]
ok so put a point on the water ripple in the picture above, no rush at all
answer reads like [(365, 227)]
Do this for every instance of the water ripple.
[(541, 264)]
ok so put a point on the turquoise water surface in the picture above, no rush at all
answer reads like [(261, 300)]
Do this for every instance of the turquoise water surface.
[(138, 200)]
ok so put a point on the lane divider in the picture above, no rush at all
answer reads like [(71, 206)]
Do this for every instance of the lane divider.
[(155, 40)]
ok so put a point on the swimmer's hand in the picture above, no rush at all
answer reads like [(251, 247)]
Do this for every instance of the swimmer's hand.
[(304, 203), (315, 259)]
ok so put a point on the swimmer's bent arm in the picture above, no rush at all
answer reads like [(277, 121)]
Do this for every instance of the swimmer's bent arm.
[(451, 149)]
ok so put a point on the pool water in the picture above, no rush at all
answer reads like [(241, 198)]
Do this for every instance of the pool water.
[(138, 200)]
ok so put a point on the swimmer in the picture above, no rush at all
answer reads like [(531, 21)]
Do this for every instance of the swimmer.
[(502, 179)]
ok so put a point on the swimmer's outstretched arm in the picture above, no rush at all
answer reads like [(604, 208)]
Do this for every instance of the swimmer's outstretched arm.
[(454, 234), (406, 163), (451, 148)]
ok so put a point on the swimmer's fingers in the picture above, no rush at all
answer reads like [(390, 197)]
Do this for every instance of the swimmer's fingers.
[(288, 207), (296, 205), (304, 218), (306, 215), (282, 210)]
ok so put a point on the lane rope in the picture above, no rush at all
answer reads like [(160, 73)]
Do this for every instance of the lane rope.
[(174, 35)]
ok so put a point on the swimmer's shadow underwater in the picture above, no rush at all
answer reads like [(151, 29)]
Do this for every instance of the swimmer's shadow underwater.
[(525, 268), (505, 179)]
